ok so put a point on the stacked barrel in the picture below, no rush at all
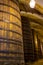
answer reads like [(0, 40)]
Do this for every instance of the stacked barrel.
[(11, 43), (37, 45), (27, 40)]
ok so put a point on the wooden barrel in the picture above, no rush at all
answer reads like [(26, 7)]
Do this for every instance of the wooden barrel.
[(11, 43), (27, 40), (37, 45)]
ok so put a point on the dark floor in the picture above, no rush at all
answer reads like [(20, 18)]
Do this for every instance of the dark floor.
[(39, 62)]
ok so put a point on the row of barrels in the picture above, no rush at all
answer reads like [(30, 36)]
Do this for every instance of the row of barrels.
[(33, 46)]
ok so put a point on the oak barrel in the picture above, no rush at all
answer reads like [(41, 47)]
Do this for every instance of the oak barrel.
[(27, 40), (11, 43)]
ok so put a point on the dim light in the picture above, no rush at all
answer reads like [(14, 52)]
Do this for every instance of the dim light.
[(32, 3)]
